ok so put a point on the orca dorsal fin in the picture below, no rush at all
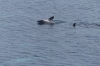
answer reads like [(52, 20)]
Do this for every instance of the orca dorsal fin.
[(51, 18)]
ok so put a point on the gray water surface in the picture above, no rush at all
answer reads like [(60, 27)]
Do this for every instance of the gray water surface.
[(25, 43)]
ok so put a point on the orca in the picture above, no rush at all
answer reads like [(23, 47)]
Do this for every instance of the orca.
[(46, 21)]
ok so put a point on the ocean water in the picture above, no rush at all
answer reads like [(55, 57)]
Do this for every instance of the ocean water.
[(25, 43)]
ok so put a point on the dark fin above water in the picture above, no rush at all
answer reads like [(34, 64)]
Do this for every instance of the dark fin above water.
[(74, 24), (51, 18)]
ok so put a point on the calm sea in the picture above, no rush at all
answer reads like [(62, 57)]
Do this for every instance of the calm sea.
[(25, 43)]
